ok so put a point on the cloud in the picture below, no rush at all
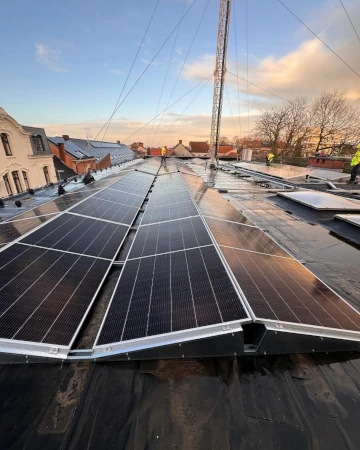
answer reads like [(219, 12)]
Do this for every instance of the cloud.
[(115, 71), (49, 57), (147, 61), (179, 51), (306, 70)]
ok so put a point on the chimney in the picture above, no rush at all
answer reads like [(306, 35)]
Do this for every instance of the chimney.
[(180, 141), (118, 142), (61, 151), (66, 137)]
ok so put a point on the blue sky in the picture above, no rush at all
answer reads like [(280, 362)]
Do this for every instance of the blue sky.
[(64, 62)]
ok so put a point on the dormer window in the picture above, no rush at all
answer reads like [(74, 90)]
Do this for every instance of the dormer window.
[(39, 144), (6, 144)]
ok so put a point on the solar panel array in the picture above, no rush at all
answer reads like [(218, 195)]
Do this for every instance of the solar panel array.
[(277, 287), (173, 279), (49, 278)]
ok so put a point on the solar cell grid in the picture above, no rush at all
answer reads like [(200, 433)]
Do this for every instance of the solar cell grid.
[(106, 210), (168, 198), (38, 288), (282, 289), (172, 292), (167, 212), (129, 189), (120, 197), (241, 236), (170, 236), (10, 231), (79, 235)]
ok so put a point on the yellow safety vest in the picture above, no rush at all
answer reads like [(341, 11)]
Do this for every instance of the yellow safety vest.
[(270, 157), (163, 151), (356, 159)]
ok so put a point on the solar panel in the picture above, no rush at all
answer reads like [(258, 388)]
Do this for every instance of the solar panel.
[(129, 189), (281, 289), (244, 237), (322, 200), (99, 144), (168, 293), (157, 200), (353, 219), (79, 235), (45, 293), (10, 231), (212, 204), (170, 236), (169, 212), (120, 197), (103, 209)]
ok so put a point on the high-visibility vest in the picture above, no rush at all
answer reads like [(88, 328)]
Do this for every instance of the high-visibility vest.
[(270, 157), (356, 159), (163, 151)]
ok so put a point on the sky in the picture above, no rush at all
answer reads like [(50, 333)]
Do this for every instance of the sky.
[(64, 64)]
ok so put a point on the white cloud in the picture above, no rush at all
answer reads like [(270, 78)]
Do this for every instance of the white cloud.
[(147, 61), (306, 70), (115, 72), (49, 57)]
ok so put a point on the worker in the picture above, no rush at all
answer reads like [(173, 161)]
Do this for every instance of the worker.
[(163, 155), (269, 158), (355, 164)]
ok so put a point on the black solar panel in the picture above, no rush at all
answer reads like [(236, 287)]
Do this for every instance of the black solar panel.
[(283, 290), (171, 292), (80, 235), (170, 236), (105, 210), (130, 189), (60, 204), (120, 197), (244, 237), (211, 203), (45, 293), (169, 212), (157, 200), (13, 230)]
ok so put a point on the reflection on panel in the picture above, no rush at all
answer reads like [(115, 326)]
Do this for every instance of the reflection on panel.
[(282, 289), (244, 237), (169, 212), (10, 231), (322, 200)]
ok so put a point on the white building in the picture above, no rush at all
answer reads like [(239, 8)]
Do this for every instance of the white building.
[(26, 160)]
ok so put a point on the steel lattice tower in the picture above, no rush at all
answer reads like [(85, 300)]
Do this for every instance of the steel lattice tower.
[(219, 75)]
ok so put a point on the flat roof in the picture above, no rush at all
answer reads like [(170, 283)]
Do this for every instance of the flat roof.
[(322, 201)]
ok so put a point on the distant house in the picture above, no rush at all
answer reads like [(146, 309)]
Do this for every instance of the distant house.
[(138, 149), (180, 150), (82, 154), (224, 149), (199, 147), (25, 158), (157, 151)]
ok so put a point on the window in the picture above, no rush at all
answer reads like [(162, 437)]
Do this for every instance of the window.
[(15, 175), (46, 173), (26, 181), (6, 144), (7, 184), (39, 145)]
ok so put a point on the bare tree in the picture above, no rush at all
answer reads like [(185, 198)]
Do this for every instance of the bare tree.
[(298, 126), (335, 121), (271, 125), (223, 140)]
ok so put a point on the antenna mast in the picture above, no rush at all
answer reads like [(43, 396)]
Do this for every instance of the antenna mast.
[(219, 76)]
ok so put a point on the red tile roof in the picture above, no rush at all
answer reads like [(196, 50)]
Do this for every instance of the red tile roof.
[(199, 147)]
